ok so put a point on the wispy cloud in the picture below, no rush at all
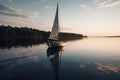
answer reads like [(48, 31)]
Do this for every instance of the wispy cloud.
[(108, 67), (10, 11), (99, 1), (6, 8), (18, 21), (47, 7), (108, 4), (82, 65), (10, 0), (16, 17), (36, 14), (86, 7)]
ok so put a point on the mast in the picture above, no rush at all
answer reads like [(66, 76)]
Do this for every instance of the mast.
[(55, 28)]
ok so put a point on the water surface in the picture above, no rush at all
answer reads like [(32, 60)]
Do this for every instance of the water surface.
[(85, 59)]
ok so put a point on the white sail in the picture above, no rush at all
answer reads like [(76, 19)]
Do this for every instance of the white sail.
[(55, 28)]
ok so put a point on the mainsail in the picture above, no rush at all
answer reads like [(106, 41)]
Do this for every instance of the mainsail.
[(55, 28)]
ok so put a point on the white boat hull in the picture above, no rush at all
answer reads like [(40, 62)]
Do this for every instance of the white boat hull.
[(54, 44)]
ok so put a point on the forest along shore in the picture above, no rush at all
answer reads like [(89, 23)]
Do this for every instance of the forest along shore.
[(15, 36)]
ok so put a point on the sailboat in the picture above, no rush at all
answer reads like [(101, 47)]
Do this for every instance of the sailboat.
[(53, 40)]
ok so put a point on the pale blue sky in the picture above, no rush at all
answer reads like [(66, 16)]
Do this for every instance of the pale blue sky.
[(89, 17)]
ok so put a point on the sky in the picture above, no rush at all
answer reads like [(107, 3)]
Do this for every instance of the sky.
[(88, 17)]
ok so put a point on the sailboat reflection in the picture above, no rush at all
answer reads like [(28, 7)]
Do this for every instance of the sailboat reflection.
[(54, 55)]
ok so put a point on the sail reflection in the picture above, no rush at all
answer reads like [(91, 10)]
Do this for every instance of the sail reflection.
[(54, 56)]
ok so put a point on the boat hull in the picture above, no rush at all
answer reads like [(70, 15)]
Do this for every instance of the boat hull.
[(55, 44)]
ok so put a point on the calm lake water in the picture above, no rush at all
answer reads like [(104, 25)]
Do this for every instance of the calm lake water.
[(85, 59)]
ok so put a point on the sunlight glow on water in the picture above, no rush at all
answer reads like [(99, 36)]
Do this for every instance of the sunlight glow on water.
[(97, 47)]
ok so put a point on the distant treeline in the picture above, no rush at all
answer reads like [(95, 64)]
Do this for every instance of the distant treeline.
[(31, 36), (9, 32)]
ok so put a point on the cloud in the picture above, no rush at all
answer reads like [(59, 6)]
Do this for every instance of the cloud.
[(18, 21), (10, 0), (10, 11), (6, 8), (86, 7), (47, 7), (36, 14), (99, 1), (108, 67), (82, 66), (16, 17), (13, 14), (108, 4)]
